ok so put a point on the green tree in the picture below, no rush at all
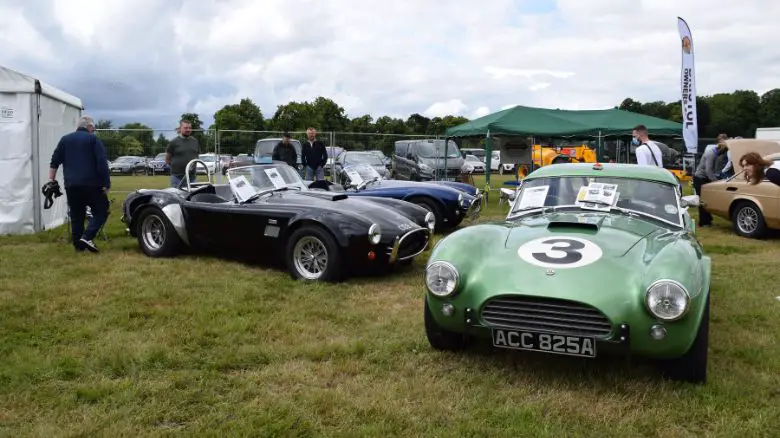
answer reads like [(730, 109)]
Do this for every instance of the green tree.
[(161, 144), (245, 117), (131, 146), (364, 123), (418, 124), (142, 133), (328, 116), (769, 115)]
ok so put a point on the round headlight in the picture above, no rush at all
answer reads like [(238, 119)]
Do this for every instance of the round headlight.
[(667, 300), (374, 234), (441, 278), (430, 220)]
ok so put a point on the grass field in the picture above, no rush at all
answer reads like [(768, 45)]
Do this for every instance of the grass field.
[(118, 344)]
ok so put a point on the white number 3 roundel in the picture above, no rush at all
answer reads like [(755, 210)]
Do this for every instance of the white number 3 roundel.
[(560, 252)]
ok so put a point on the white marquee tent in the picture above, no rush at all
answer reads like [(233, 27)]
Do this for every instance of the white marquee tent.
[(33, 117)]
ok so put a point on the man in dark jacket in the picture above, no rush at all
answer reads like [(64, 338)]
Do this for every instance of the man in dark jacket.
[(285, 151), (87, 181), (314, 156)]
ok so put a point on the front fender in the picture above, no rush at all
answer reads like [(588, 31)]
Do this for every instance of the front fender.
[(343, 227), (467, 248), (412, 211), (169, 204), (463, 187)]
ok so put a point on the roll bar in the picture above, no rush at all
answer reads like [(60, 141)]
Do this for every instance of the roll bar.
[(187, 173)]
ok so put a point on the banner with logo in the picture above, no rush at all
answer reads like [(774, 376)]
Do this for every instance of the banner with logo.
[(688, 89)]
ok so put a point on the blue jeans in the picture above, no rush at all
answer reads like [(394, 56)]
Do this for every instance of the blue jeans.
[(176, 179), (320, 172)]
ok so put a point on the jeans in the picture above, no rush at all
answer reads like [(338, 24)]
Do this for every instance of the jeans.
[(176, 179), (705, 218), (79, 198), (320, 172)]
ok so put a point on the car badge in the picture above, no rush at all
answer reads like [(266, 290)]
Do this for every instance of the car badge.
[(550, 272)]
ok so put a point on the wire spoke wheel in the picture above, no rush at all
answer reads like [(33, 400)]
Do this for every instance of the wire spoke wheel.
[(747, 219)]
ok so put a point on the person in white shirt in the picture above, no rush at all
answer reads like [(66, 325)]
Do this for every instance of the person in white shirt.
[(647, 153)]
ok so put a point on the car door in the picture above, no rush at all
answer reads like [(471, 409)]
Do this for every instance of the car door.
[(210, 223), (400, 161), (259, 225)]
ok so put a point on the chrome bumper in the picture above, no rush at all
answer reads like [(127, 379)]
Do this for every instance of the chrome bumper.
[(399, 239), (475, 209)]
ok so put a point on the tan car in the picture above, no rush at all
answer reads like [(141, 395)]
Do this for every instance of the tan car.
[(751, 209)]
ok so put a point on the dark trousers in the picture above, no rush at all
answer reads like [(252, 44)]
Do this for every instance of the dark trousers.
[(79, 198), (773, 175), (705, 218)]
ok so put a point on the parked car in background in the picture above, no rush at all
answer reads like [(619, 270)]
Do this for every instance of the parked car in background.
[(128, 165), (752, 209), (224, 163), (424, 160), (477, 152), (472, 164), (240, 160), (157, 165), (381, 155), (348, 158), (333, 152), (449, 203), (211, 163), (264, 151)]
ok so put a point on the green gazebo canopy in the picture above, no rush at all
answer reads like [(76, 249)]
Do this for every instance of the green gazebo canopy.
[(544, 122)]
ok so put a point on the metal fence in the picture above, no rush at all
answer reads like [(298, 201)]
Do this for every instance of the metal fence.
[(147, 147)]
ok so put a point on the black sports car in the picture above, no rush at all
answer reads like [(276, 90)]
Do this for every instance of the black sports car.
[(267, 208)]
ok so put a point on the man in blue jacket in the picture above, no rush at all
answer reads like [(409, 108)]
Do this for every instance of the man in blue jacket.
[(85, 168)]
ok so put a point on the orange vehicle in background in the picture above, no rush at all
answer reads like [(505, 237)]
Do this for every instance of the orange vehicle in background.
[(546, 155)]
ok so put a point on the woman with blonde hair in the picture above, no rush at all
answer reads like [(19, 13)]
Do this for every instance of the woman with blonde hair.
[(756, 168)]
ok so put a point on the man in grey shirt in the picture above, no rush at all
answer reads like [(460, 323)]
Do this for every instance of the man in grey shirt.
[(707, 172), (181, 150)]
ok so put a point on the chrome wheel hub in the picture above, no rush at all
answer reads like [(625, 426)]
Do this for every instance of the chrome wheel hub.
[(310, 257), (153, 232), (747, 219)]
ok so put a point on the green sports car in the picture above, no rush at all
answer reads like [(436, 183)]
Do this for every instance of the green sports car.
[(591, 258)]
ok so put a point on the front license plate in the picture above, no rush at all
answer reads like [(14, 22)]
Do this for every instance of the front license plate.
[(545, 342)]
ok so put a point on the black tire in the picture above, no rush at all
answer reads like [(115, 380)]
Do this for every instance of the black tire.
[(692, 366), (431, 206), (156, 235), (440, 339), (747, 220), (316, 236)]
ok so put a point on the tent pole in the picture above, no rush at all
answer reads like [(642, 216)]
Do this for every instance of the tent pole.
[(488, 153), (446, 145), (36, 157)]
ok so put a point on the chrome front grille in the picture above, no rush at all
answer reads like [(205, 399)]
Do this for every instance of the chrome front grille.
[(546, 314), (410, 244)]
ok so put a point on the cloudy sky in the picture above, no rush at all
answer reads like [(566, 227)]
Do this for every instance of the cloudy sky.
[(151, 60)]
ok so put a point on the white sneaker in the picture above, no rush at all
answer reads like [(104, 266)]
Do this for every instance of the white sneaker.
[(90, 245)]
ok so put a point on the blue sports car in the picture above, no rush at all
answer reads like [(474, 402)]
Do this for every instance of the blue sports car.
[(450, 202)]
